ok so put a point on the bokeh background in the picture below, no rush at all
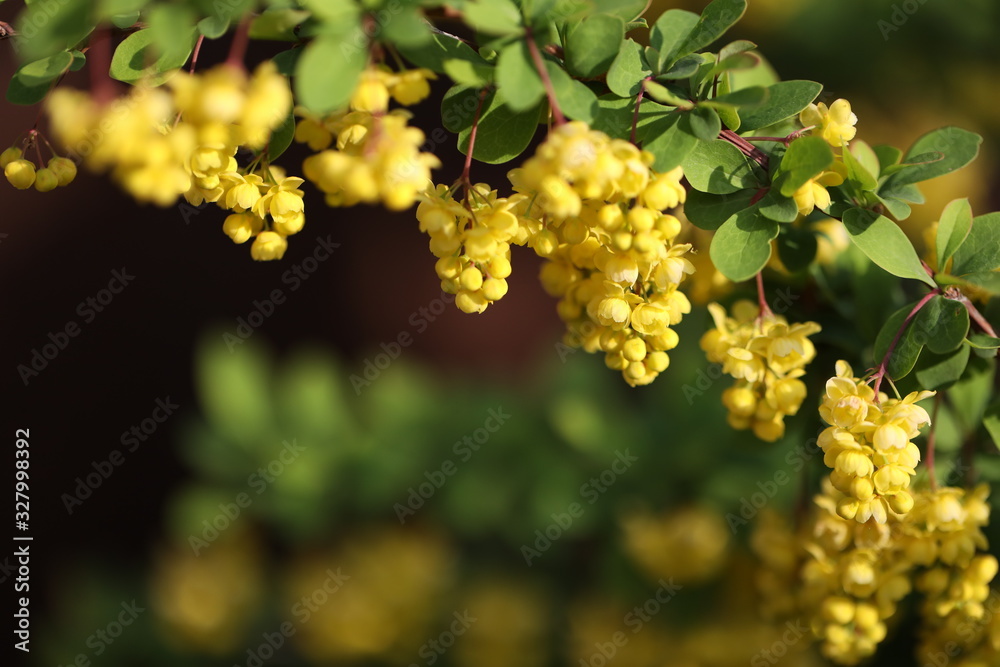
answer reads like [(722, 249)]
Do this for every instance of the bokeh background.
[(333, 508)]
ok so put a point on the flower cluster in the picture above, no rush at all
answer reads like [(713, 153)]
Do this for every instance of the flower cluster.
[(594, 209), (377, 156), (472, 242), (22, 173), (868, 446), (181, 140), (848, 578), (766, 356)]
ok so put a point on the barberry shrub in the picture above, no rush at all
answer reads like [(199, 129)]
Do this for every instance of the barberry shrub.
[(653, 147)]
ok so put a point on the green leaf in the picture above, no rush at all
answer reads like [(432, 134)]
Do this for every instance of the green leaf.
[(785, 100), (683, 68), (971, 394), (328, 71), (806, 158), (703, 122), (614, 116), (887, 156), (907, 349), (986, 280), (858, 175), (940, 371), (778, 208), (503, 133), (709, 211), (885, 244), (744, 97), (991, 420), (669, 33), (31, 82), (628, 70), (438, 50), (458, 108), (165, 23), (796, 248), (715, 20), (898, 208), (592, 45), (517, 77), (865, 156), (129, 63), (279, 24), (953, 228), (720, 168), (286, 61), (942, 324), (46, 28), (661, 93), (742, 245), (493, 17), (213, 27), (406, 27), (575, 99), (281, 138), (736, 62), (981, 250), (735, 48), (467, 73), (79, 60), (122, 21), (982, 341), (669, 140), (955, 146)]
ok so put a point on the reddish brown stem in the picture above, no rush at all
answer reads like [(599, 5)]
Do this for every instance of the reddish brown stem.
[(748, 149), (238, 48), (765, 310), (467, 169), (883, 367), (197, 50), (638, 101), (99, 65), (550, 92), (977, 317)]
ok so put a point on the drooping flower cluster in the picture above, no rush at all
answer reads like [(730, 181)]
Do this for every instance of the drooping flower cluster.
[(848, 578), (181, 140), (595, 211), (868, 446), (22, 173), (766, 356), (375, 156), (472, 242)]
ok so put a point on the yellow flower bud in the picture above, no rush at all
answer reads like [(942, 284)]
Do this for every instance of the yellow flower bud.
[(494, 289), (20, 173), (471, 279), (471, 302), (9, 155), (46, 180), (240, 227), (634, 349), (268, 246)]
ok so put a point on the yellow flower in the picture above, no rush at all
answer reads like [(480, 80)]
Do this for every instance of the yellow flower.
[(411, 86), (835, 125), (46, 180), (243, 192), (813, 193), (64, 169), (240, 227), (268, 246), (9, 155)]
